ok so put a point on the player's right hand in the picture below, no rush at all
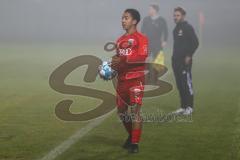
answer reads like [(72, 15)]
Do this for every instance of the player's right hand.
[(164, 44)]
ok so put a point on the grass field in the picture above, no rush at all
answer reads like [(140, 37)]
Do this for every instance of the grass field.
[(29, 128)]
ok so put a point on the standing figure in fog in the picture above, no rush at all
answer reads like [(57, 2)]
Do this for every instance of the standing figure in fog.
[(155, 28), (185, 45)]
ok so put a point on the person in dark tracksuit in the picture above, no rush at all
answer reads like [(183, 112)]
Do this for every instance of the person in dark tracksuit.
[(155, 28), (185, 45)]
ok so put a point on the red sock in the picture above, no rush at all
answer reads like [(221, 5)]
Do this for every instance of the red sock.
[(136, 134), (128, 126)]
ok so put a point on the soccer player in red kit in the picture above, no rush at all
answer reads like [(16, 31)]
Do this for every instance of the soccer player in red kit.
[(132, 51)]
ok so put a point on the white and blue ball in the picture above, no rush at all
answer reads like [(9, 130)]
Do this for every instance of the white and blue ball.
[(106, 72)]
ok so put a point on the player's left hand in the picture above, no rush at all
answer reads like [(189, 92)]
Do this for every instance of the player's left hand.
[(115, 61), (188, 60)]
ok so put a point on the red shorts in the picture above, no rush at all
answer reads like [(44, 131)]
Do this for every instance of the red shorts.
[(130, 92)]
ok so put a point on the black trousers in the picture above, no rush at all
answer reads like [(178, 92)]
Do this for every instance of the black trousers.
[(183, 77)]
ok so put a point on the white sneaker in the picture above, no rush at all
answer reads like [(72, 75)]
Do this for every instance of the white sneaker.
[(179, 111), (188, 111)]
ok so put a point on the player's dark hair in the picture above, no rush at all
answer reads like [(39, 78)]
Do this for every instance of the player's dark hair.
[(155, 7), (134, 13), (181, 10)]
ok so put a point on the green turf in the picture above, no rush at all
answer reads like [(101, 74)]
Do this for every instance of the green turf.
[(29, 127)]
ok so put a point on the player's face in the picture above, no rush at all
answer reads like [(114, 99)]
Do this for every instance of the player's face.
[(178, 17), (127, 21), (152, 11)]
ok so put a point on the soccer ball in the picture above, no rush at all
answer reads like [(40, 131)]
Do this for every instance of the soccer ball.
[(106, 72)]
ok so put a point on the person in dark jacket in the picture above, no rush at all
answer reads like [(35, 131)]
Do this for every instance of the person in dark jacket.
[(155, 28), (185, 45)]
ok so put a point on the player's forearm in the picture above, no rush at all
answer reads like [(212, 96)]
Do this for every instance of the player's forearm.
[(136, 60), (193, 45), (165, 35)]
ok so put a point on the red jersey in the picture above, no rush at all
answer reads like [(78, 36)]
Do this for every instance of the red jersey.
[(133, 51)]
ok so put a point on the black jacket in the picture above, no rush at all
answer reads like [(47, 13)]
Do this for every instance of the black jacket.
[(185, 40), (156, 30)]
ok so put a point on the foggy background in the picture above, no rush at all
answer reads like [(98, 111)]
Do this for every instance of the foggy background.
[(98, 21)]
